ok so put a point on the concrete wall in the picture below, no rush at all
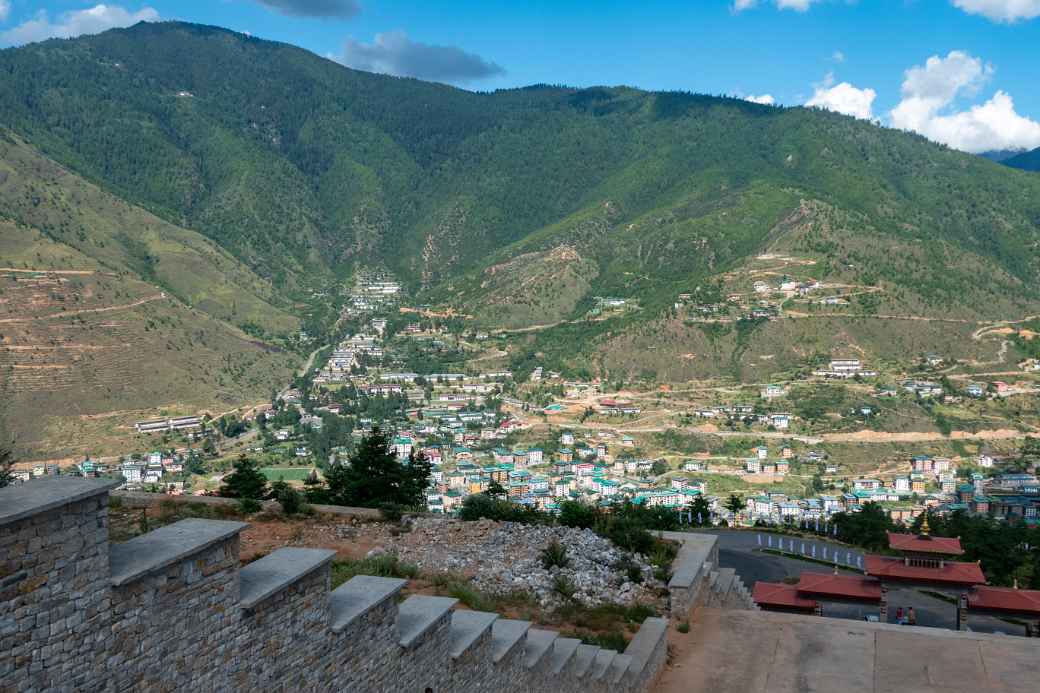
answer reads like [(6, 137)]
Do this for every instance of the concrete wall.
[(173, 610)]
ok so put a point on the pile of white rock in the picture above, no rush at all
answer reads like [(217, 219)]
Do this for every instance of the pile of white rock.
[(506, 557)]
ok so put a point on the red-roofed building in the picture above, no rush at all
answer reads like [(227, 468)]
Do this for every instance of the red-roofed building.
[(776, 596), (854, 588), (925, 544), (1005, 600), (942, 573)]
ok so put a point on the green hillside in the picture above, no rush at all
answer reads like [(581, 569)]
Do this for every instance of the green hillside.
[(520, 207), (109, 314)]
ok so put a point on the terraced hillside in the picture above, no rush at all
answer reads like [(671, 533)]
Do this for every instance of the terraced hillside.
[(110, 315)]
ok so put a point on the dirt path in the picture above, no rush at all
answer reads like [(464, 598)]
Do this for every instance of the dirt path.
[(979, 333), (84, 311), (52, 271), (921, 436)]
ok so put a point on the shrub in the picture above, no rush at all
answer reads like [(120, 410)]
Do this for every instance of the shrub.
[(683, 627), (482, 506), (630, 568), (391, 512), (627, 534), (248, 506), (563, 586), (577, 514), (555, 556), (291, 501), (383, 565)]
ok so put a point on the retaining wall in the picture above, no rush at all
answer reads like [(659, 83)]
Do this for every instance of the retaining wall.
[(172, 610)]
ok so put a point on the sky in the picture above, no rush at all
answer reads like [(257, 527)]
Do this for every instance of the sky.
[(962, 72)]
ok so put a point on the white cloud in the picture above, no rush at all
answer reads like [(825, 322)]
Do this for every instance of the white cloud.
[(930, 90), (92, 20), (394, 53), (796, 5), (5, 9), (843, 98), (838, 57), (766, 99), (1001, 10)]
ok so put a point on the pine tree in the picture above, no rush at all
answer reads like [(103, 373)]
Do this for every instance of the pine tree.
[(375, 477), (245, 482)]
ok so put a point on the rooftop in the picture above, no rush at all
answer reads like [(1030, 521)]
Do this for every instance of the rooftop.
[(1005, 599), (952, 573), (839, 586), (779, 595), (924, 543)]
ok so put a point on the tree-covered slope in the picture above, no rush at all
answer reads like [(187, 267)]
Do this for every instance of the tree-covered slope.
[(520, 206), (1027, 161)]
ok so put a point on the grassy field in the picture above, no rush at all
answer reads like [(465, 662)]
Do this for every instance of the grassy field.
[(286, 473)]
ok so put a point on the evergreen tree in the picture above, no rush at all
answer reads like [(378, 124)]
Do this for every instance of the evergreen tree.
[(734, 504), (374, 476), (700, 510), (245, 482)]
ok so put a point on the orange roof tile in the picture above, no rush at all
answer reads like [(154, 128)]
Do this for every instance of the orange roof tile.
[(842, 586), (1005, 599), (777, 594), (951, 546), (952, 572)]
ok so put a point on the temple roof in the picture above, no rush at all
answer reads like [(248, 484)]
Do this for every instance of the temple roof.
[(777, 594), (923, 543), (1005, 599), (952, 572), (840, 586)]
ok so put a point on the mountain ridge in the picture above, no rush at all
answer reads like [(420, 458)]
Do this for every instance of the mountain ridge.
[(304, 170), (1027, 161)]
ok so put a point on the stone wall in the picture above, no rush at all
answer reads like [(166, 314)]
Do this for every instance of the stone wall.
[(173, 610)]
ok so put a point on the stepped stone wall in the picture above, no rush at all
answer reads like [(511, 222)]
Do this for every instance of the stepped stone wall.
[(172, 610)]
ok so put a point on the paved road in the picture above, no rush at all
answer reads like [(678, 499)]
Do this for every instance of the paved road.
[(739, 550)]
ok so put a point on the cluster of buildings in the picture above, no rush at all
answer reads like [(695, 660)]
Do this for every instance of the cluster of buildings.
[(575, 471), (156, 467), (745, 414), (931, 484), (845, 369)]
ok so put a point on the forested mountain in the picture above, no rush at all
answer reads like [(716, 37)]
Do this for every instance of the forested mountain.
[(1028, 161), (520, 206)]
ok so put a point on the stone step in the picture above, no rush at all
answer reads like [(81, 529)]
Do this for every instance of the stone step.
[(151, 552), (505, 635), (563, 653), (538, 643), (277, 571), (418, 614), (619, 667), (725, 581), (642, 646), (359, 595), (600, 667), (466, 628), (583, 659)]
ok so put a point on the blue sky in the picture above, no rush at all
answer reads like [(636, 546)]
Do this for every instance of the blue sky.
[(964, 72)]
